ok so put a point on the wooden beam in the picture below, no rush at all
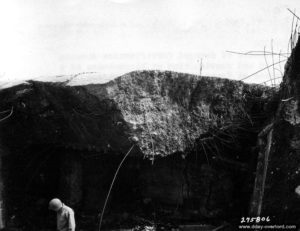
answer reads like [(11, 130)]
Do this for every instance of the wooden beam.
[(261, 171)]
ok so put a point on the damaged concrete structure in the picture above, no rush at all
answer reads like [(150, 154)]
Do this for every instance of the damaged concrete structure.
[(195, 153), (208, 149)]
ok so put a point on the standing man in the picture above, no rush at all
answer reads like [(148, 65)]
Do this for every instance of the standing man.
[(65, 215)]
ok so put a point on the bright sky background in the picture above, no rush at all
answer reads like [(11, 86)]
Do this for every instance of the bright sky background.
[(112, 37)]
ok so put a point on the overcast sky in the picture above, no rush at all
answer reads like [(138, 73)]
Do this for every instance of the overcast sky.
[(112, 37)]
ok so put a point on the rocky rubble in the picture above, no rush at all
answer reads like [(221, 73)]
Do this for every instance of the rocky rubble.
[(167, 111)]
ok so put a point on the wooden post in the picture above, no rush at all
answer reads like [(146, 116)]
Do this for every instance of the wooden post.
[(2, 207), (265, 141)]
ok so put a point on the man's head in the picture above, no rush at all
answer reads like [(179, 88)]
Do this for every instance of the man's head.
[(55, 204)]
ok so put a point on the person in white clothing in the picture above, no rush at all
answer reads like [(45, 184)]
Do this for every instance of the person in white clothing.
[(65, 215)]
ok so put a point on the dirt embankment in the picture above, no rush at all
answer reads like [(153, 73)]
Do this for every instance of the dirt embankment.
[(278, 171)]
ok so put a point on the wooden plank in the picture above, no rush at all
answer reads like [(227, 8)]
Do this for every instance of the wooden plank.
[(261, 172)]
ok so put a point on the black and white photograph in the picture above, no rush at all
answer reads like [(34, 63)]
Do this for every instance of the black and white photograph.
[(149, 115)]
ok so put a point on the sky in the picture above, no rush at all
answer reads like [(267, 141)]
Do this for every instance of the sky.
[(41, 38)]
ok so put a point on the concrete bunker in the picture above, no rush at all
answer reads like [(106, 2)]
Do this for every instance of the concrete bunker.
[(68, 141)]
